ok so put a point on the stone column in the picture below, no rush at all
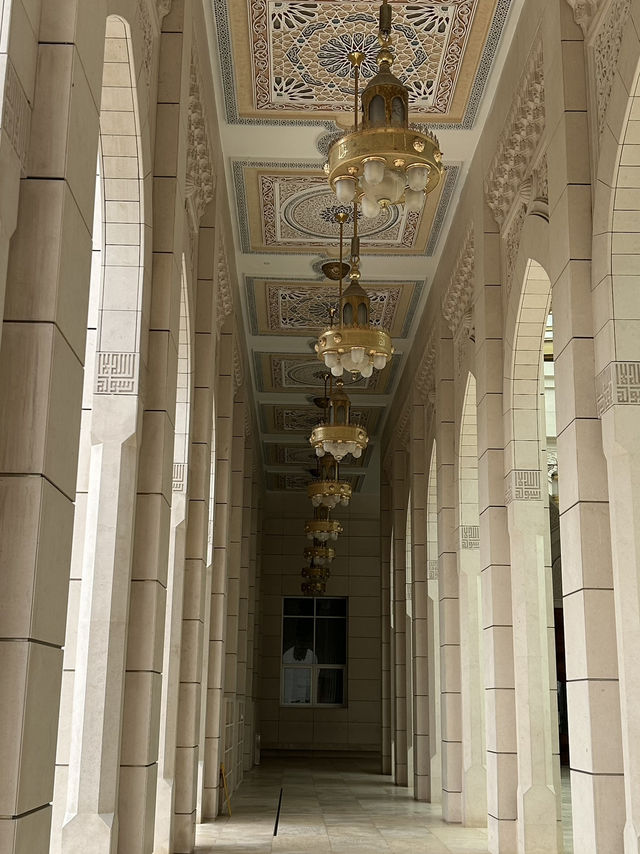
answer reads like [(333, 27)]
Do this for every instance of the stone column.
[(497, 622), (399, 517), (184, 623), (253, 605), (451, 721), (474, 772), (593, 692), (433, 624), (194, 603), (16, 96), (96, 726), (222, 513), (230, 720), (420, 663), (243, 701), (385, 613), (620, 425), (43, 345)]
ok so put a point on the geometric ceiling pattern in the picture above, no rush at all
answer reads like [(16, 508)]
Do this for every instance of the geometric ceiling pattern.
[(277, 372), (286, 93), (292, 211), (278, 306), (289, 59)]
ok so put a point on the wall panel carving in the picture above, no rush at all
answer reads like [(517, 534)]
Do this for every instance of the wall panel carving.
[(200, 179), (459, 294), (618, 385), (519, 140)]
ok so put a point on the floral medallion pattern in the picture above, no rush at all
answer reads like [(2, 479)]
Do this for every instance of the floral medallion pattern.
[(299, 419), (299, 211), (300, 51), (308, 307)]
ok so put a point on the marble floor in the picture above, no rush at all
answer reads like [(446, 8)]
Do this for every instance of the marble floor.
[(334, 804)]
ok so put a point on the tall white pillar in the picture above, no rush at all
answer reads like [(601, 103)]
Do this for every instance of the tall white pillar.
[(94, 756)]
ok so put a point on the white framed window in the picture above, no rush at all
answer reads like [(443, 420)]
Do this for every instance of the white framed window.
[(314, 651)]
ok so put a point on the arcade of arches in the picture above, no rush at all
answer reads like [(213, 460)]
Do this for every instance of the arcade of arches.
[(475, 662)]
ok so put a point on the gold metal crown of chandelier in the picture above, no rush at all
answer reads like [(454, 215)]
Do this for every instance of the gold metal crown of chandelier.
[(353, 345), (321, 527), (336, 435), (328, 490), (384, 162)]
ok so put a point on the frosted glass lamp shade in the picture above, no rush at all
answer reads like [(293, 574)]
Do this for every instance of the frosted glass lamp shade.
[(345, 190), (374, 171), (417, 177)]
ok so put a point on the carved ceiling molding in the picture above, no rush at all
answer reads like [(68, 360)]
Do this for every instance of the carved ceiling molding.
[(459, 294), (224, 298), (143, 16), (605, 49), (200, 178), (402, 430), (424, 380), (584, 12), (238, 368), (520, 139), (532, 199)]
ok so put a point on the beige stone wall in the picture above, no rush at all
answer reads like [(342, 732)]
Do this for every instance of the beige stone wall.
[(355, 573)]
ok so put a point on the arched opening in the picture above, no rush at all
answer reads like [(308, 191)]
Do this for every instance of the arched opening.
[(377, 111), (534, 444)]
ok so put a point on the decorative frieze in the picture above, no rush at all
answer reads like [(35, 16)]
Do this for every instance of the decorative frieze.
[(179, 477), (200, 180), (424, 381), (583, 12), (512, 244), (469, 537), (224, 300), (459, 294), (402, 426), (522, 485), (618, 385), (606, 50), (238, 371), (519, 140), (116, 373), (143, 18), (16, 113)]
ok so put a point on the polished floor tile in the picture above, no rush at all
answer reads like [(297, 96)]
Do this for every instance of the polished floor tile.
[(337, 805)]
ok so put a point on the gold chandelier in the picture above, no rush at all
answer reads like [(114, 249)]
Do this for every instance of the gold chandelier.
[(319, 553), (384, 162), (353, 345), (328, 490), (321, 527), (336, 435), (317, 577)]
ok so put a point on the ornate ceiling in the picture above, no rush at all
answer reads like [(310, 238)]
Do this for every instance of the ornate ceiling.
[(284, 91)]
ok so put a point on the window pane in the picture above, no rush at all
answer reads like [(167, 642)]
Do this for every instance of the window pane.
[(297, 685), (298, 607), (330, 686), (297, 640), (331, 646), (331, 607)]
